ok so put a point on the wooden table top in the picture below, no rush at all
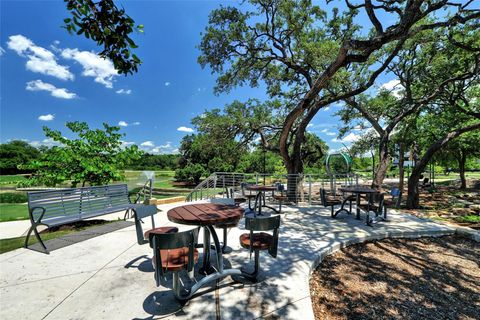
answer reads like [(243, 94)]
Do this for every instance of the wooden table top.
[(205, 214), (261, 188), (358, 190)]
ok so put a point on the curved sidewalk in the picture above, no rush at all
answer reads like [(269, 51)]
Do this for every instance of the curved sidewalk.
[(110, 277)]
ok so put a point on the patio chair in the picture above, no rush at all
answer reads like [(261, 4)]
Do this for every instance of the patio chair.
[(230, 191), (393, 202), (256, 242), (330, 202), (174, 252), (148, 211), (249, 196), (230, 202), (280, 197), (376, 205)]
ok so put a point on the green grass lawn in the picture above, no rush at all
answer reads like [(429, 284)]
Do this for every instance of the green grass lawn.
[(469, 219), (11, 180), (13, 211)]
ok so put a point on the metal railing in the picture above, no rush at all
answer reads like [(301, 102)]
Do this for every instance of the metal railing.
[(300, 188)]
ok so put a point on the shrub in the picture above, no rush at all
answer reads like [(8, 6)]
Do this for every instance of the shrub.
[(191, 173), (11, 197)]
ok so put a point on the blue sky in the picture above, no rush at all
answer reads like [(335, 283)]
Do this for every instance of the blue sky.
[(49, 77)]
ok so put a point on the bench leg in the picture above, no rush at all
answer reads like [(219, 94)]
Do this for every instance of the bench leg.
[(37, 235)]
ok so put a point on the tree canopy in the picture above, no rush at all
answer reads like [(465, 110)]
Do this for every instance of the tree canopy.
[(309, 58), (95, 156), (110, 27)]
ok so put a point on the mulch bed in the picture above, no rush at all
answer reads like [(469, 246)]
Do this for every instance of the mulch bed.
[(426, 278)]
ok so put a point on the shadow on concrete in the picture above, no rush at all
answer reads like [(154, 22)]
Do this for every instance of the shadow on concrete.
[(79, 236)]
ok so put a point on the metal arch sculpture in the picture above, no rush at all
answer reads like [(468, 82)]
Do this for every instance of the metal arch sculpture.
[(345, 156)]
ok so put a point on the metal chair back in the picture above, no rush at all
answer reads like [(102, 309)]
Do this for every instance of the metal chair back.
[(323, 197), (396, 196), (225, 201), (166, 241), (265, 224), (140, 213)]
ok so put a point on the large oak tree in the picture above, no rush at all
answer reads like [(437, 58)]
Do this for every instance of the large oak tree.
[(309, 57)]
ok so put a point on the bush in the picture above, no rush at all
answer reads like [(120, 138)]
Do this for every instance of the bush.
[(11, 197), (191, 173)]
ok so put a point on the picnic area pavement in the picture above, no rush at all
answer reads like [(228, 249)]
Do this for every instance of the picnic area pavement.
[(111, 276)]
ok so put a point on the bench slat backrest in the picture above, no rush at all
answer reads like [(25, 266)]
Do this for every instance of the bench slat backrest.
[(77, 203)]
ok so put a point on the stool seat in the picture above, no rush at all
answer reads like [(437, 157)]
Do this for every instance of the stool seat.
[(261, 241), (240, 200), (160, 230), (176, 259)]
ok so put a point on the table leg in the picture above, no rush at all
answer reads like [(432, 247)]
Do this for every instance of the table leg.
[(206, 267), (217, 274)]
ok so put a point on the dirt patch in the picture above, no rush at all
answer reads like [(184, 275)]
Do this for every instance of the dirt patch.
[(449, 204), (427, 278)]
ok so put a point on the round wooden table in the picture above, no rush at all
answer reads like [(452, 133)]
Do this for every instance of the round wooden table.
[(357, 190), (207, 215), (260, 198)]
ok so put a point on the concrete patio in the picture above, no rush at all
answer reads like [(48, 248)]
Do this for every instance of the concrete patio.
[(111, 277)]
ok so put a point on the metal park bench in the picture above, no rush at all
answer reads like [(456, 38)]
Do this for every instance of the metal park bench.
[(57, 207)]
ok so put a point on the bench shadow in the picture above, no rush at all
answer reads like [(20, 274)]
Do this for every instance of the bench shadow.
[(79, 236)]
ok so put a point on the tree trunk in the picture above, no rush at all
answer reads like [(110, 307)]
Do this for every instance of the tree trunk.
[(413, 197), (461, 167), (401, 169), (384, 159)]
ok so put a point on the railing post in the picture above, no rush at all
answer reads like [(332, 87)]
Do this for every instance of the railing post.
[(309, 189)]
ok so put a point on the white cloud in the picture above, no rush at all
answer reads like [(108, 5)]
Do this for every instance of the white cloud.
[(394, 86), (93, 66), (126, 143), (309, 125), (39, 85), (2, 51), (328, 132), (351, 137), (40, 60), (326, 108), (147, 144), (123, 91), (48, 142), (46, 117), (185, 129), (126, 124), (167, 84), (166, 146)]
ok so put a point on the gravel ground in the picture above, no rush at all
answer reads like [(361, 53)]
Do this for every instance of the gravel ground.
[(426, 278)]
